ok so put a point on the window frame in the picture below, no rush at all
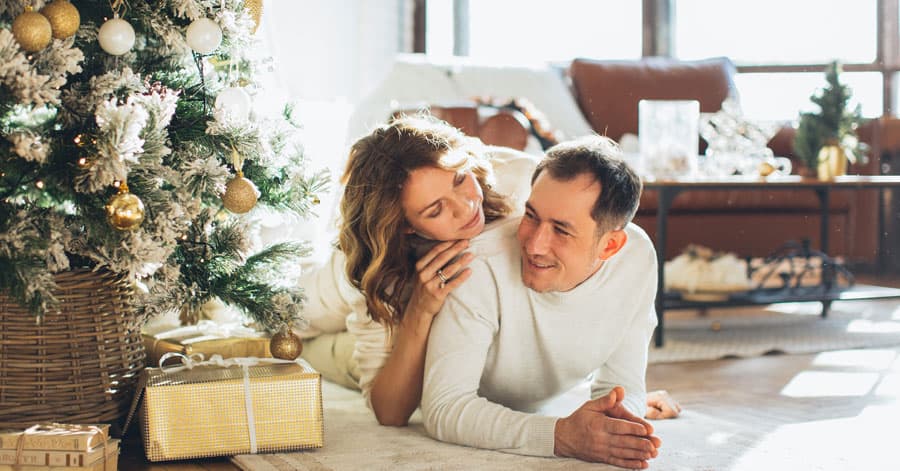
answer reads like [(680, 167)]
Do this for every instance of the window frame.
[(657, 40)]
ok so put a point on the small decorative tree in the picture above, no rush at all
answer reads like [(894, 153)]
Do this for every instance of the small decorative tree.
[(833, 125)]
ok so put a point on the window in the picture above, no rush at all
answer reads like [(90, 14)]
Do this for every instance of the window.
[(779, 96), (777, 31), (780, 47), (517, 31)]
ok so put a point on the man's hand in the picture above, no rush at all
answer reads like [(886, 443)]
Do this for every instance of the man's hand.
[(660, 405), (603, 430)]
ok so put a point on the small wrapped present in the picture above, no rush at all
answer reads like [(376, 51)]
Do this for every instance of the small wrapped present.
[(210, 338), (231, 406), (59, 447)]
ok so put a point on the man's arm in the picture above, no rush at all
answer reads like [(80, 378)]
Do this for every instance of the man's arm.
[(453, 411), (627, 365)]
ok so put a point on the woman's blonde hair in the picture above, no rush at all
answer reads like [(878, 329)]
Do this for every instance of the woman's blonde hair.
[(380, 258)]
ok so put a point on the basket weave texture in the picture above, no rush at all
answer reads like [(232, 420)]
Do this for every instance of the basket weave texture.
[(77, 366)]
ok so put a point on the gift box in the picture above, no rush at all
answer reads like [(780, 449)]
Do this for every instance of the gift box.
[(225, 407), (208, 338), (58, 447)]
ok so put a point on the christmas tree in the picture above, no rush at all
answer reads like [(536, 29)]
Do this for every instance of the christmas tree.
[(129, 144), (834, 123)]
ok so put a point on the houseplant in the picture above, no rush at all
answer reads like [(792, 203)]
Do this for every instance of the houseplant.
[(129, 145), (826, 139)]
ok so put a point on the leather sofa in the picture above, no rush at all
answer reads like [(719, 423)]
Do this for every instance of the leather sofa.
[(749, 223)]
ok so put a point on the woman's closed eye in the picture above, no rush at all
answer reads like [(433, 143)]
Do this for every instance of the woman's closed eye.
[(435, 212), (459, 179)]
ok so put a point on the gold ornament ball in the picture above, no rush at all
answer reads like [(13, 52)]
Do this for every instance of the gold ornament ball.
[(285, 345), (240, 195), (64, 18), (32, 31), (255, 7), (125, 211)]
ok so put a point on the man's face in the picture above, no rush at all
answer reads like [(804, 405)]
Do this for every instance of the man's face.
[(557, 236)]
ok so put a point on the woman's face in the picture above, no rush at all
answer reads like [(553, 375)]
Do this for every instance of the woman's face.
[(443, 204)]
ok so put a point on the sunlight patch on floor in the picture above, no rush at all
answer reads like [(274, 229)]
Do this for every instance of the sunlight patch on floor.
[(719, 438), (829, 384), (889, 385), (864, 326), (822, 445), (810, 309), (874, 359)]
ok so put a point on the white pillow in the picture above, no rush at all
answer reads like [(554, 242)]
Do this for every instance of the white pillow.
[(412, 82), (543, 85), (417, 79)]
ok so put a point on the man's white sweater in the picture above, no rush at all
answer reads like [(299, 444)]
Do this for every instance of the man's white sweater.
[(498, 350)]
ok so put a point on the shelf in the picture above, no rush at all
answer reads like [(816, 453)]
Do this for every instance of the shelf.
[(758, 297)]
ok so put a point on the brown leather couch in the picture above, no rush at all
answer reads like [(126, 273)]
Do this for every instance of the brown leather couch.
[(747, 222), (750, 223)]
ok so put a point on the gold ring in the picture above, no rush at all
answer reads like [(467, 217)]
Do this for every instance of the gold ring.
[(443, 278)]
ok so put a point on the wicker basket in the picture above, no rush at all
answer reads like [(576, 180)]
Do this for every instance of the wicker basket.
[(77, 366)]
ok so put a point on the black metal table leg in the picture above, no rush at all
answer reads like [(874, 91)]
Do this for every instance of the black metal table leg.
[(666, 195), (824, 195), (826, 306)]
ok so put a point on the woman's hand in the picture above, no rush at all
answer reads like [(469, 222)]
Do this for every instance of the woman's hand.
[(437, 277), (660, 405)]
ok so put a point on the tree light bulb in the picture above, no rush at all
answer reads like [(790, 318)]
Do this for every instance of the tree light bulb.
[(39, 184)]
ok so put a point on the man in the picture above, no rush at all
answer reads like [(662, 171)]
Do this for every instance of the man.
[(568, 295)]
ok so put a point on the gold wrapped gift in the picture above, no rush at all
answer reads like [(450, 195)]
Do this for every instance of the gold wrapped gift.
[(208, 338), (227, 407)]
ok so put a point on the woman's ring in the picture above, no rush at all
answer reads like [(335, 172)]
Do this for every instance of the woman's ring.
[(443, 278)]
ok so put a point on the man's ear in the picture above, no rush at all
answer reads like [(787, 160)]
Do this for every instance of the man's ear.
[(611, 243)]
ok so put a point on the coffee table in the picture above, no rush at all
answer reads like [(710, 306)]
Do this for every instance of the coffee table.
[(669, 189)]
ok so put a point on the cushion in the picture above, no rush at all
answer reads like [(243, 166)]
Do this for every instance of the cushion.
[(608, 92), (417, 80)]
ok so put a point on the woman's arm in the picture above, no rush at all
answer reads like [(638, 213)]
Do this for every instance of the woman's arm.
[(329, 297), (397, 388)]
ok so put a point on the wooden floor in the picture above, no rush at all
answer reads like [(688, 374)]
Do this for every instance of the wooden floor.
[(809, 400)]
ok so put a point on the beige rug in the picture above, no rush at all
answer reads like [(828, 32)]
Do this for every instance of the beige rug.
[(716, 431), (782, 328)]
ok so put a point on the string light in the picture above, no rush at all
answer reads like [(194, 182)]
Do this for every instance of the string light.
[(79, 140), (83, 162), (39, 184)]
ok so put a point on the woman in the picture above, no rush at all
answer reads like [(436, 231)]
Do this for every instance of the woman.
[(408, 185)]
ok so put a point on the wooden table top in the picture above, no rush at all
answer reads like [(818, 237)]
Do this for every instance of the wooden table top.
[(788, 181)]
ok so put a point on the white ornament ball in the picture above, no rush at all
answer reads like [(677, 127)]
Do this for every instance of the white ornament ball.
[(234, 102), (204, 35), (116, 36)]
